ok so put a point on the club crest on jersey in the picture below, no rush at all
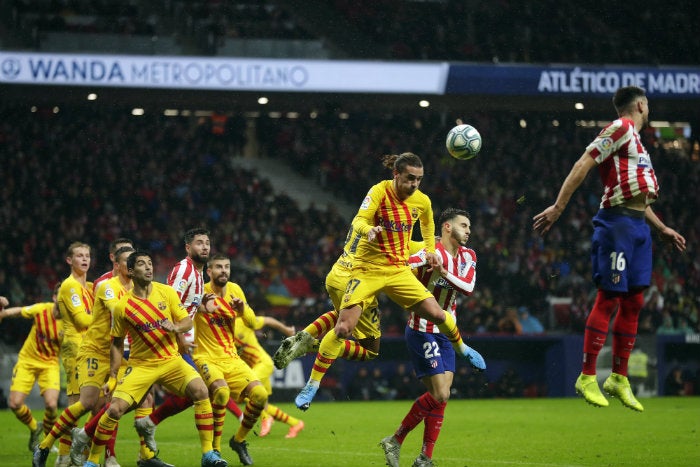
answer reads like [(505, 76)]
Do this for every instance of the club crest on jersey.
[(162, 306), (433, 363), (182, 285), (414, 213), (615, 279)]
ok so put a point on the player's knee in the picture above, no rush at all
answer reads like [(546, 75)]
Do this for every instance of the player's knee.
[(441, 395), (258, 395), (197, 390), (14, 405), (51, 406), (220, 395)]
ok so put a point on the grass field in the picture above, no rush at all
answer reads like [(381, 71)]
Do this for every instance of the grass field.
[(509, 433)]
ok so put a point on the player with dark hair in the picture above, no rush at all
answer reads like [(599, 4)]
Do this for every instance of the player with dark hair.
[(114, 245), (215, 354), (431, 352), (75, 302), (384, 225), (152, 314), (37, 362), (621, 245), (187, 280)]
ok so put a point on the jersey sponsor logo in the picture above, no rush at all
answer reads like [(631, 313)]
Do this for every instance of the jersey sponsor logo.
[(365, 202), (181, 286), (442, 282), (393, 226), (220, 321), (75, 299), (109, 293), (150, 326)]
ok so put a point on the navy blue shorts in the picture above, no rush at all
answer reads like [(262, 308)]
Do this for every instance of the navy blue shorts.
[(620, 251), (431, 354)]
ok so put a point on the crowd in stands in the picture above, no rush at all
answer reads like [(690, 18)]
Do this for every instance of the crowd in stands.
[(548, 31), (83, 16), (95, 175)]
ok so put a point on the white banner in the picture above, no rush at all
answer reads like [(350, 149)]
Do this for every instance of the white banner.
[(223, 73)]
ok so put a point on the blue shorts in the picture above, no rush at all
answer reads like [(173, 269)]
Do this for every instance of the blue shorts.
[(621, 250), (431, 354)]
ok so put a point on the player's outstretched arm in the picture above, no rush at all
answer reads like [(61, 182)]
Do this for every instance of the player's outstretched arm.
[(544, 220), (668, 235)]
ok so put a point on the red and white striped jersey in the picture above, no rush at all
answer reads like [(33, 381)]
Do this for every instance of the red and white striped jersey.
[(623, 163), (104, 277), (461, 277), (187, 281)]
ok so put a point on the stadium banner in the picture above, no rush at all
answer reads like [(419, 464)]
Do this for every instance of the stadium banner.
[(555, 80), (341, 76), (202, 73)]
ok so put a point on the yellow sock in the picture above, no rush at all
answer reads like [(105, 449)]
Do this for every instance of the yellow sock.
[(50, 417), (322, 324), (25, 416), (64, 424), (255, 404), (144, 452), (450, 330), (331, 345), (279, 415), (103, 433), (219, 399), (204, 420), (352, 350)]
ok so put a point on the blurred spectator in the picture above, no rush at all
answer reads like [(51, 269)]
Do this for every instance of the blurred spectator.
[(667, 326), (361, 387), (638, 370), (510, 323), (674, 384), (529, 323), (509, 384), (404, 383)]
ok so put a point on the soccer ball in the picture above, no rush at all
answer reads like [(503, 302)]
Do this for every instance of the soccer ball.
[(463, 142)]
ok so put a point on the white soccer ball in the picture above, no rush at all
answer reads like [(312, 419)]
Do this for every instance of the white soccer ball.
[(463, 142)]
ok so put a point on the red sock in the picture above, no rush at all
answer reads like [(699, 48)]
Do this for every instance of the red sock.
[(625, 330), (433, 425), (597, 329), (172, 405), (419, 410), (91, 425), (233, 407)]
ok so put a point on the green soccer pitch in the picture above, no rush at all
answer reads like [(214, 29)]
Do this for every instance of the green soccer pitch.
[(476, 433)]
